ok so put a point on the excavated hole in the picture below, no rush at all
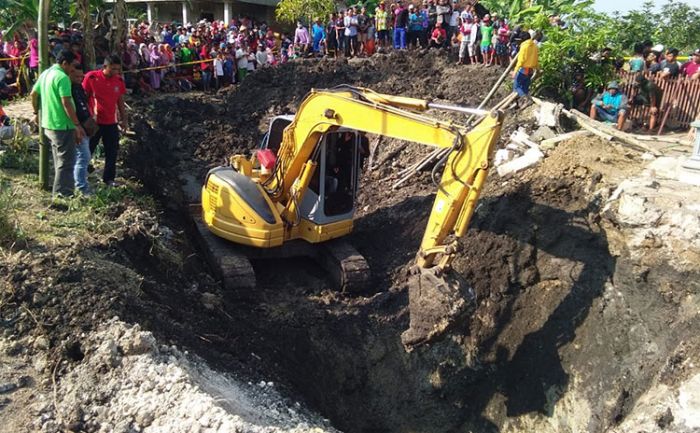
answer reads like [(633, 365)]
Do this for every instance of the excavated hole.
[(343, 355)]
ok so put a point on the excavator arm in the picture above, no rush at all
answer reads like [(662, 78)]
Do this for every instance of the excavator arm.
[(363, 110)]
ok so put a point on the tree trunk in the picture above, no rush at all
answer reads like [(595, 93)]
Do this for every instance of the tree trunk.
[(88, 34), (119, 25)]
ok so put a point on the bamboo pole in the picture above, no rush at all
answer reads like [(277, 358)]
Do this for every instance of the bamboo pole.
[(43, 37), (622, 136), (438, 154)]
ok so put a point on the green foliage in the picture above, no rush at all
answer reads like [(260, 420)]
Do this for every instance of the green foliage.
[(18, 15), (14, 14), (566, 49), (9, 231), (516, 11), (104, 198), (674, 24), (289, 11)]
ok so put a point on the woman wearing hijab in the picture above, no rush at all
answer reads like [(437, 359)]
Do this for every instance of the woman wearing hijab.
[(155, 61), (145, 56)]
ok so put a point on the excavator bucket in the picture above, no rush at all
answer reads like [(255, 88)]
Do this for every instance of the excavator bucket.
[(437, 303)]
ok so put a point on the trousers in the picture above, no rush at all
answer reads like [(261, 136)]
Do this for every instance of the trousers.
[(63, 150), (399, 38), (109, 134)]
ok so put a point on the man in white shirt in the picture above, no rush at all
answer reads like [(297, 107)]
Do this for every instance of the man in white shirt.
[(241, 63), (261, 56)]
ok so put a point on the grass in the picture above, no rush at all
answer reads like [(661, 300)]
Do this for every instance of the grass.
[(31, 214), (16, 153), (9, 230)]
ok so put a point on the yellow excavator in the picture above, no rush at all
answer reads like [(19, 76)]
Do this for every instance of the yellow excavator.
[(296, 195)]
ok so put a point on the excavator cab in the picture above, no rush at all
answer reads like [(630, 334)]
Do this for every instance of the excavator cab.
[(333, 187)]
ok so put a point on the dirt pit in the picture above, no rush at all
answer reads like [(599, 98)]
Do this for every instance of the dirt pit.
[(587, 306)]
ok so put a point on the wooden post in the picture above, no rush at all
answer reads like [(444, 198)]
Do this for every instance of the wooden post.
[(43, 37)]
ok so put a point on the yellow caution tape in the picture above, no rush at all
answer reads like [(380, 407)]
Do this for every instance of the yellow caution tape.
[(153, 68)]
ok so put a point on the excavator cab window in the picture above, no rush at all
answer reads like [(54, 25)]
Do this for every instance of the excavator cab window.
[(340, 172), (332, 189), (273, 137)]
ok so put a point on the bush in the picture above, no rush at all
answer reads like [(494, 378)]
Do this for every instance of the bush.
[(17, 153), (565, 50)]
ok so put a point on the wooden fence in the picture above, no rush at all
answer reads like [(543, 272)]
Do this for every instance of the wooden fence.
[(680, 95)]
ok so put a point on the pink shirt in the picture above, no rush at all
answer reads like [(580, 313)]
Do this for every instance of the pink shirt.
[(691, 68), (34, 53)]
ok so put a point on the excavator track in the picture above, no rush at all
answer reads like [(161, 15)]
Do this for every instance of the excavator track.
[(229, 264), (346, 267), (345, 264)]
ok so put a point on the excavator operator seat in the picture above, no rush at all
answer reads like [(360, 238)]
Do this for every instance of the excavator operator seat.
[(273, 138)]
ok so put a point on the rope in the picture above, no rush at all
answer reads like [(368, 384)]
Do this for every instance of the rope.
[(153, 68)]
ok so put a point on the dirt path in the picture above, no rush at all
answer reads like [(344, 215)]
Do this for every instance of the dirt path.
[(21, 109)]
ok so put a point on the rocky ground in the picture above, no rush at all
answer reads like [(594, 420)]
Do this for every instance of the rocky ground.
[(585, 270)]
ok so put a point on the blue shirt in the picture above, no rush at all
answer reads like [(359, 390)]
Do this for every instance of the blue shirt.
[(617, 102), (318, 32), (415, 22)]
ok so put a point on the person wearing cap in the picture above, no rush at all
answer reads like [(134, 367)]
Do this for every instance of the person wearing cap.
[(610, 106), (526, 65), (669, 67), (648, 95), (486, 36), (691, 68), (381, 17)]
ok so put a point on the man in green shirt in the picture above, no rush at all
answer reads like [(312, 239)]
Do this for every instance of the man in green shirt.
[(486, 36), (52, 94)]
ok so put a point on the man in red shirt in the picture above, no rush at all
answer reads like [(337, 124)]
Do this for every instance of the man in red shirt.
[(105, 90), (691, 69)]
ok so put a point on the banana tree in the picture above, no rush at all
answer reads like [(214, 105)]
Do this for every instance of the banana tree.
[(289, 11), (18, 15), (119, 25), (82, 11)]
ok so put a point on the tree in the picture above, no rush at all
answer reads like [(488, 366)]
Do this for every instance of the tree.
[(566, 49), (83, 12), (119, 25), (672, 24), (289, 11)]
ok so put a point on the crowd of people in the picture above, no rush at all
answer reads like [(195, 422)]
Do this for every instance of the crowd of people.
[(217, 54)]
